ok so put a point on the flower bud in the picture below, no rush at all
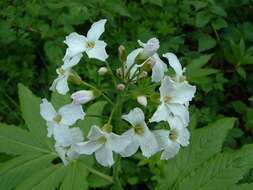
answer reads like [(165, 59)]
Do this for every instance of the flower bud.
[(121, 87), (83, 96), (122, 54), (150, 48), (102, 71), (143, 74), (142, 100)]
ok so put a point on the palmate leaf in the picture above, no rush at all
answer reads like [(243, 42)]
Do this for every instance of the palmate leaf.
[(202, 166), (205, 143), (34, 167)]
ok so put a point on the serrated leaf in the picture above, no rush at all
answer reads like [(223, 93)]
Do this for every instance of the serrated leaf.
[(205, 143), (46, 179), (220, 172), (14, 140), (75, 178), (16, 170)]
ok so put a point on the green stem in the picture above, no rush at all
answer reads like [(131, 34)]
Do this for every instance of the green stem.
[(114, 78), (97, 90), (116, 168)]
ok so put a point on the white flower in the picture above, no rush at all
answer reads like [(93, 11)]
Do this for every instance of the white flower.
[(139, 135), (158, 69), (173, 96), (83, 96), (175, 64), (66, 116), (103, 144), (170, 141), (60, 84), (65, 140), (149, 48), (130, 62), (142, 100), (94, 48)]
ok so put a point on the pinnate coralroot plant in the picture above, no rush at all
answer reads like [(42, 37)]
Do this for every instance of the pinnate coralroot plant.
[(166, 103)]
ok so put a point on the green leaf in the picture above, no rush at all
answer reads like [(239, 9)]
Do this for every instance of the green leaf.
[(202, 18), (30, 108), (14, 140), (241, 72), (205, 42), (220, 172), (75, 178), (93, 116), (219, 24), (205, 143), (247, 186), (16, 170), (45, 179), (59, 100)]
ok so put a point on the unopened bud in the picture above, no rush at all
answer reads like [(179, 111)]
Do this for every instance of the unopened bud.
[(121, 87), (142, 100), (122, 54), (83, 96), (102, 71)]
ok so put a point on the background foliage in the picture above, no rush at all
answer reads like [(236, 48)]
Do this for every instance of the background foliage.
[(213, 39)]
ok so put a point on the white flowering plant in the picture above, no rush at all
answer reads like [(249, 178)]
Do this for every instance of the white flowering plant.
[(86, 134)]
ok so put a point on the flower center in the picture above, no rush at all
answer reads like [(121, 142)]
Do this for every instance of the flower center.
[(61, 71), (57, 118), (139, 129), (90, 44), (102, 139), (167, 99), (173, 135)]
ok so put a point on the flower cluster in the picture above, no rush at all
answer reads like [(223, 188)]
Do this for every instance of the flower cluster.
[(175, 95)]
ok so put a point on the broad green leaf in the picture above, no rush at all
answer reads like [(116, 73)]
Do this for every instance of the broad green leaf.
[(247, 186), (205, 42), (16, 170), (93, 116), (30, 108), (205, 143), (45, 179), (202, 18), (14, 140), (241, 71), (220, 172), (75, 178)]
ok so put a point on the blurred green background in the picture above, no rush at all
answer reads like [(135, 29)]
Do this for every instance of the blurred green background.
[(213, 39)]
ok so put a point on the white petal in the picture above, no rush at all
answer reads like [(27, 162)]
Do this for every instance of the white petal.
[(180, 111), (166, 88), (175, 121), (76, 44), (69, 62), (72, 154), (133, 146), (97, 28), (148, 143), (142, 100), (135, 117), (150, 47), (47, 110), (162, 137), (174, 63), (117, 142), (183, 136), (50, 128), (131, 57), (62, 154), (95, 133), (161, 114), (62, 136), (158, 70), (182, 93), (76, 135), (70, 113), (60, 84), (170, 151), (87, 147), (104, 156), (98, 51)]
